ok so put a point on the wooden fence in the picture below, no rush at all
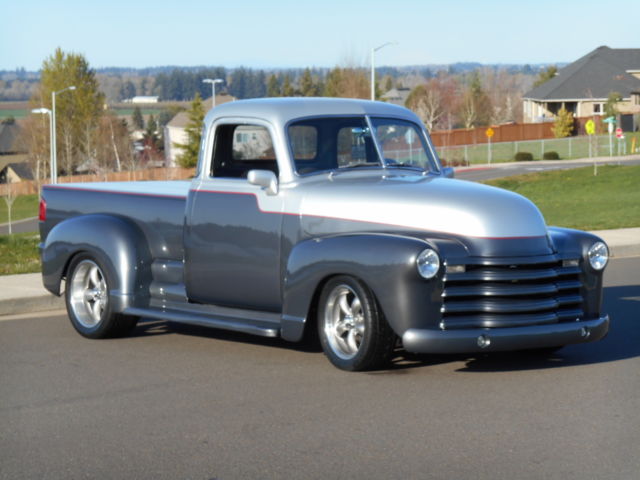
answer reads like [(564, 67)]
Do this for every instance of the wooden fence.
[(28, 187), (515, 132)]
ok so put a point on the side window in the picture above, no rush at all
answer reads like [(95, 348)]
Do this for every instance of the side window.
[(240, 148)]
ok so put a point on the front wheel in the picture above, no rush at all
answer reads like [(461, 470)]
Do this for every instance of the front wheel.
[(353, 331), (87, 299)]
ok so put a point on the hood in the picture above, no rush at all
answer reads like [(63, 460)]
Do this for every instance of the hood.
[(432, 204)]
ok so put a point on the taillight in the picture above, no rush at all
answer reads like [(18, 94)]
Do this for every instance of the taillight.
[(43, 210)]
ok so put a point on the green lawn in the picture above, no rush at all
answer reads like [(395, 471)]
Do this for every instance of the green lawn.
[(19, 253), (24, 206), (578, 199)]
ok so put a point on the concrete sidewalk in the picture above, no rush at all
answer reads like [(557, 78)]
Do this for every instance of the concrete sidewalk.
[(25, 293)]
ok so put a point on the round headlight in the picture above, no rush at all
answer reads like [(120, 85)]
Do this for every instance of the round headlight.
[(428, 263), (598, 255)]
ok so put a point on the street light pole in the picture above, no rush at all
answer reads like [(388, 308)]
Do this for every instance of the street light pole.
[(54, 155), (213, 88), (373, 67), (46, 111)]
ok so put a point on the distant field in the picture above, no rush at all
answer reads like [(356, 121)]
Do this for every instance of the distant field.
[(14, 109), (578, 199), (22, 109)]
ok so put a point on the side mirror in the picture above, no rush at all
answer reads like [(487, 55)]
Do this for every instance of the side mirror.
[(265, 179), (448, 172)]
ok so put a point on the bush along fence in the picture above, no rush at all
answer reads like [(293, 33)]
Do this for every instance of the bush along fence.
[(31, 186), (547, 149)]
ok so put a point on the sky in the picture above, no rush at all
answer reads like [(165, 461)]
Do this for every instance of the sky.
[(327, 33)]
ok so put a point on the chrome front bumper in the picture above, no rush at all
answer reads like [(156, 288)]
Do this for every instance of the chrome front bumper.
[(505, 339)]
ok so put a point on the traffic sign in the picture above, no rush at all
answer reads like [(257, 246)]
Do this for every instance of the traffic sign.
[(618, 132), (489, 133), (590, 127)]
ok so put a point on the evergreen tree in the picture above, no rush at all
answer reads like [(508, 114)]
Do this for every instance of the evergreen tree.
[(610, 107), (273, 87), (332, 84), (287, 88), (307, 88), (137, 118), (546, 75), (128, 90), (189, 157)]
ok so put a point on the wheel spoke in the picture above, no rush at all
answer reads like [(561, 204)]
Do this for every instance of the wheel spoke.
[(344, 304), (95, 310), (94, 276), (356, 306), (352, 340)]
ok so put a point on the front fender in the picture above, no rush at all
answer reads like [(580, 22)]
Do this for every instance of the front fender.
[(386, 263), (115, 243)]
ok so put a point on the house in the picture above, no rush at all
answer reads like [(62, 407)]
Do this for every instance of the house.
[(397, 96), (145, 99), (12, 171), (174, 131), (583, 86)]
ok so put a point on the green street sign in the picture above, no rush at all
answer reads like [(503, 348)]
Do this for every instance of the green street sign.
[(609, 120)]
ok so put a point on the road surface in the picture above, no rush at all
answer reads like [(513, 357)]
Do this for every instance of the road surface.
[(192, 404)]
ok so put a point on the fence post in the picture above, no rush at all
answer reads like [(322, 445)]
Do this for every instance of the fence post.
[(570, 154), (542, 149)]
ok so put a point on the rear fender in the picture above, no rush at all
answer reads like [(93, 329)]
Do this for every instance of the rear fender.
[(118, 245)]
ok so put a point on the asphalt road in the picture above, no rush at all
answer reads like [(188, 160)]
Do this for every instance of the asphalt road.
[(192, 403), (21, 226)]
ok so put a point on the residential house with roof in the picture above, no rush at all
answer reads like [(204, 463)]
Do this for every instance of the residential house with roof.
[(583, 87), (175, 131)]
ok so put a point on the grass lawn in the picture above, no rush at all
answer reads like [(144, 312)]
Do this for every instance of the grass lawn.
[(578, 199), (19, 253), (24, 206)]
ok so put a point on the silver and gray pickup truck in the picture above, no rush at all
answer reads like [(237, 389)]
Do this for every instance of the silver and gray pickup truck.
[(330, 215)]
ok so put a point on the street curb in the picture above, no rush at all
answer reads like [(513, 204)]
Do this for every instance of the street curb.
[(43, 303)]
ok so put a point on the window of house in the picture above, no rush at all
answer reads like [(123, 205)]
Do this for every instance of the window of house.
[(597, 108)]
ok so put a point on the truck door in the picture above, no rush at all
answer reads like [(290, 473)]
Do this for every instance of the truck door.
[(233, 228)]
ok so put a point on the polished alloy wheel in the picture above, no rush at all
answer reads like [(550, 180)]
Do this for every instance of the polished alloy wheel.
[(88, 293), (344, 323)]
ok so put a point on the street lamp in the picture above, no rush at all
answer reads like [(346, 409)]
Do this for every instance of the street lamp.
[(213, 88), (54, 156), (46, 111), (373, 67)]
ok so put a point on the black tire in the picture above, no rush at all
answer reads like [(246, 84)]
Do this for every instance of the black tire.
[(353, 332), (87, 299)]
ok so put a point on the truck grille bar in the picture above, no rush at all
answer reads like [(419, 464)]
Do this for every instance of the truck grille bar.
[(511, 295)]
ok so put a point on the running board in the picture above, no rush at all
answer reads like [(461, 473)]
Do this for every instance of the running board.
[(253, 327)]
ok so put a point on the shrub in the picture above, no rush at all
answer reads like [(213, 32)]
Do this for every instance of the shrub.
[(523, 157), (551, 156)]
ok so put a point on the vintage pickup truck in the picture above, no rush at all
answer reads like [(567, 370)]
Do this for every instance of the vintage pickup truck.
[(324, 214)]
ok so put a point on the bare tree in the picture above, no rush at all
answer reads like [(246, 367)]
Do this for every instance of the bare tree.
[(9, 198)]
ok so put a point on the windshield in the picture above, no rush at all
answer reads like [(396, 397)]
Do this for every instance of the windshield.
[(403, 144), (337, 143)]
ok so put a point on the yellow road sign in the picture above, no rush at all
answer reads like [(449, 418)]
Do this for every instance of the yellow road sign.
[(590, 127), (489, 133)]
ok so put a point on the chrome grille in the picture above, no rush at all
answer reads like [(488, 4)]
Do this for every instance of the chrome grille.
[(511, 295)]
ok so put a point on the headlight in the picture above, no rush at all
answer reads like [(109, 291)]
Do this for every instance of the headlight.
[(428, 263), (598, 255)]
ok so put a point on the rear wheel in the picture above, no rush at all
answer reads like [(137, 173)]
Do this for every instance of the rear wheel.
[(353, 332), (87, 299)]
